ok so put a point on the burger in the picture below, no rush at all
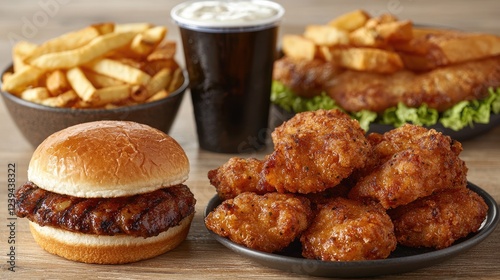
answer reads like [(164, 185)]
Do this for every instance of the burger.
[(107, 192)]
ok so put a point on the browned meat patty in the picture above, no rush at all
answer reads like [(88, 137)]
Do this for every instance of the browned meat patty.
[(143, 215)]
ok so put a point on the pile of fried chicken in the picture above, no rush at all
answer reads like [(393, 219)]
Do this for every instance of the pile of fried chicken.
[(375, 63), (345, 195)]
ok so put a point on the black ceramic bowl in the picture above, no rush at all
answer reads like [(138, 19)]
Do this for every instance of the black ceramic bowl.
[(36, 122)]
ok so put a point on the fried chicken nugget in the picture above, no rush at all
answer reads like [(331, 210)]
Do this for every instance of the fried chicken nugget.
[(236, 176), (411, 162), (348, 230), (437, 221), (267, 223), (314, 151)]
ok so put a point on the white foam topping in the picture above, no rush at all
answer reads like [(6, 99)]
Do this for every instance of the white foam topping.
[(227, 13)]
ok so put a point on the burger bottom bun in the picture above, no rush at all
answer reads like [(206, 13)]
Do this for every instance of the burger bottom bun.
[(102, 249)]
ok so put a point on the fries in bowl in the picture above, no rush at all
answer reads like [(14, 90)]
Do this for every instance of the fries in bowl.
[(104, 65)]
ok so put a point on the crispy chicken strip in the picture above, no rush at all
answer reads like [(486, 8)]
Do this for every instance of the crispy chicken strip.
[(440, 88), (306, 78)]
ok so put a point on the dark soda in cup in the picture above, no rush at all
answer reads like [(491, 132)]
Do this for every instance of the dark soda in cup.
[(229, 56)]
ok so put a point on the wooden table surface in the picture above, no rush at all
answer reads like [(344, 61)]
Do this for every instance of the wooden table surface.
[(200, 256)]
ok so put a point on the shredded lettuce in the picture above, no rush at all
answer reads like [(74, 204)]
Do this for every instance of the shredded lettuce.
[(463, 114), (401, 114), (286, 99), (466, 113)]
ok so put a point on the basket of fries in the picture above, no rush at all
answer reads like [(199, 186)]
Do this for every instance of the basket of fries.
[(105, 71)]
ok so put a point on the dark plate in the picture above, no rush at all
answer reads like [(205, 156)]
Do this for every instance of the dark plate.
[(278, 115), (403, 259)]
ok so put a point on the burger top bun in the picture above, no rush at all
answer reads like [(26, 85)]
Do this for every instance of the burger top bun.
[(108, 159)]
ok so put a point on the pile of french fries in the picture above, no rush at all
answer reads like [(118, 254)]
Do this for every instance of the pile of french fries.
[(385, 44), (104, 65)]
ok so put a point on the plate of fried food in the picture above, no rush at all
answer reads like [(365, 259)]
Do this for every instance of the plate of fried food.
[(385, 72), (331, 201)]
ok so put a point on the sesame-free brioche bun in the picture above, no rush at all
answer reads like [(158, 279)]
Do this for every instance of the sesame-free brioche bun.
[(108, 159), (101, 249)]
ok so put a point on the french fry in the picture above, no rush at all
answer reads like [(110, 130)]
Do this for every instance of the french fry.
[(144, 43), (98, 47), (152, 67), (159, 81), (299, 47), (20, 52), (104, 28), (6, 75), (110, 95), (98, 66), (119, 71), (398, 31), (164, 51), (69, 41), (159, 95), (37, 94), (62, 100), (350, 21), (382, 34), (368, 59), (382, 19), (57, 83), (80, 84), (19, 81), (101, 81), (325, 35), (325, 53), (366, 37), (24, 48), (177, 80), (132, 27)]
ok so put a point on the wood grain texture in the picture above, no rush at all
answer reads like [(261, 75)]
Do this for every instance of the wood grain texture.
[(200, 256)]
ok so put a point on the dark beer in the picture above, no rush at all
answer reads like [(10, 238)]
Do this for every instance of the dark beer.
[(230, 79)]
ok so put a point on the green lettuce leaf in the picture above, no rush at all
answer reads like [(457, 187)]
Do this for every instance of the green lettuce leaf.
[(286, 99), (401, 114), (466, 113), (463, 114)]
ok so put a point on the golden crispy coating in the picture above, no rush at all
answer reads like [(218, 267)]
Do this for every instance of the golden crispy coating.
[(268, 222), (440, 88), (236, 176), (340, 190), (440, 219), (306, 78), (347, 230), (314, 151), (411, 136), (408, 163)]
